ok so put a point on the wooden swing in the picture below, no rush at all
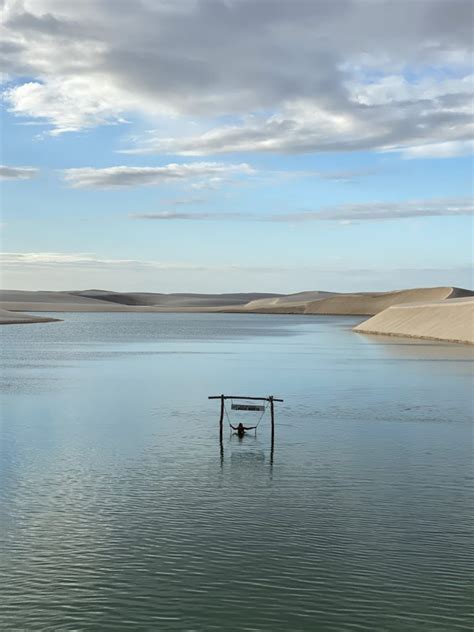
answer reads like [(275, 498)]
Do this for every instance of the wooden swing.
[(247, 407)]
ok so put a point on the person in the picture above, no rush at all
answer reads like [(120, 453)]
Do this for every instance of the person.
[(240, 429)]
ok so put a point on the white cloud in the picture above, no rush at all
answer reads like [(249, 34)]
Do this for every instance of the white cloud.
[(397, 89), (342, 176), (53, 258), (200, 173), (343, 213), (194, 217), (305, 126), (286, 76), (440, 150), (17, 173), (68, 102), (191, 201), (88, 260), (377, 211)]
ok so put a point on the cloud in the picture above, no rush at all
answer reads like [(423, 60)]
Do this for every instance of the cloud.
[(185, 201), (306, 127), (58, 258), (344, 213), (69, 104), (17, 173), (344, 176), (286, 77), (201, 173), (174, 215), (440, 150), (376, 211), (37, 260)]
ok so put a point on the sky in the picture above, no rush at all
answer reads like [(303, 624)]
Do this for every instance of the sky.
[(236, 145)]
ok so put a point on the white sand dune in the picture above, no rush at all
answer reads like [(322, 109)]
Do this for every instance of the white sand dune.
[(56, 306), (288, 300), (175, 300), (313, 302), (104, 306), (106, 301), (25, 296), (363, 303), (450, 320), (374, 302), (12, 318)]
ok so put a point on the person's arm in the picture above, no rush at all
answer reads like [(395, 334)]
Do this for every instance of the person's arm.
[(249, 427), (233, 427)]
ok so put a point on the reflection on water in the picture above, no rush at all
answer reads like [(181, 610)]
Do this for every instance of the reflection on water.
[(119, 510), (247, 451)]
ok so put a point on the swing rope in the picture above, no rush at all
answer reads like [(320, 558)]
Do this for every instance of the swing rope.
[(246, 427)]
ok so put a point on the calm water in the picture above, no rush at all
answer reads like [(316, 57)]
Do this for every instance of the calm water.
[(118, 513)]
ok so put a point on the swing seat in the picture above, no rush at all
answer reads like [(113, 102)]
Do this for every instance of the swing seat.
[(248, 407)]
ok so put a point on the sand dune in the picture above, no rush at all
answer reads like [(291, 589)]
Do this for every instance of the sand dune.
[(175, 300), (106, 301), (11, 318), (103, 306), (288, 300), (24, 296), (86, 306), (373, 303), (312, 302), (364, 303), (451, 320)]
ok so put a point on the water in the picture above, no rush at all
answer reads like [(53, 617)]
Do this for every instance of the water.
[(118, 511)]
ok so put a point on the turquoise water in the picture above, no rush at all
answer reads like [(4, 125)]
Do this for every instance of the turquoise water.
[(119, 512)]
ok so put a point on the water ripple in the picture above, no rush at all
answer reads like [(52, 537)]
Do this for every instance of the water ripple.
[(119, 512)]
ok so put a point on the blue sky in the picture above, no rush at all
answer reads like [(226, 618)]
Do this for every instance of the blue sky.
[(236, 146)]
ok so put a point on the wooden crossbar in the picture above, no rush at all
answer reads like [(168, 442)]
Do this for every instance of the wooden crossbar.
[(265, 399)]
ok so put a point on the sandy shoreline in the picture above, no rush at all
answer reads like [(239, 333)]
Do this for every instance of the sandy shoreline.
[(438, 313), (19, 318)]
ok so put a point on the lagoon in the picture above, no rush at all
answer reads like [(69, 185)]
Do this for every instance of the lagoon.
[(118, 511)]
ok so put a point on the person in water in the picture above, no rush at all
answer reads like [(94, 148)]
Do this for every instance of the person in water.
[(240, 429)]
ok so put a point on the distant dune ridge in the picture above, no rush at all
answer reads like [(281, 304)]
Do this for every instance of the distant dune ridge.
[(107, 301), (175, 300), (312, 302), (355, 304), (443, 313), (291, 301)]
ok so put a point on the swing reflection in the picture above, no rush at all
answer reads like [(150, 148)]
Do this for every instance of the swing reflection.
[(249, 452)]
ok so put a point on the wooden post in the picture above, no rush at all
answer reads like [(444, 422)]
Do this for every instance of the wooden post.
[(221, 420), (272, 415), (221, 444)]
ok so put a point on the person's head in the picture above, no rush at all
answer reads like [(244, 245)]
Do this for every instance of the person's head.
[(240, 426)]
